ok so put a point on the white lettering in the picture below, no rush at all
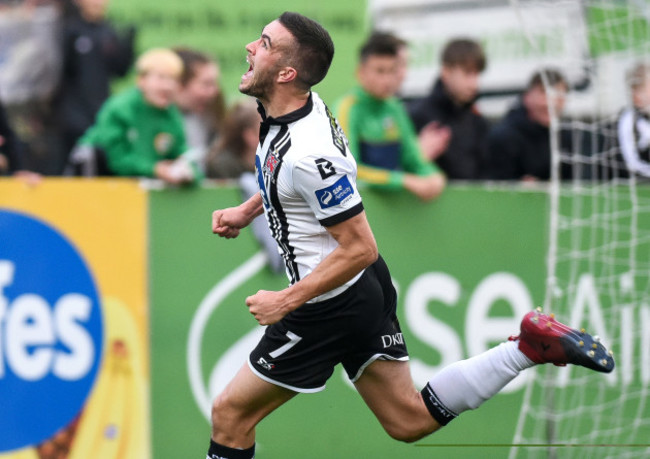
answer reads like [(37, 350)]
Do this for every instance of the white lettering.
[(69, 310), (390, 340), (483, 332), (645, 344), (626, 367), (440, 336), (30, 330), (587, 298), (30, 336), (6, 278)]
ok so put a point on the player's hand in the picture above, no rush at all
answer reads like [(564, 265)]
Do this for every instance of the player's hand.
[(267, 307), (227, 222)]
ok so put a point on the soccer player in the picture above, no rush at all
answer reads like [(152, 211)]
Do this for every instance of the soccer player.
[(340, 305)]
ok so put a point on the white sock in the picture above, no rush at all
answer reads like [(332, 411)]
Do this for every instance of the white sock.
[(466, 384)]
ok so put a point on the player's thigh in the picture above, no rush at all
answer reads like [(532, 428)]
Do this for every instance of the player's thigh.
[(388, 389), (247, 399)]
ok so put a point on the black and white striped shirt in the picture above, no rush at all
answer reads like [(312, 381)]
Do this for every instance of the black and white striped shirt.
[(307, 179)]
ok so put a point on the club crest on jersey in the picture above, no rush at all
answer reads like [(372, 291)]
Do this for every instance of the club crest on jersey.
[(272, 160), (337, 194)]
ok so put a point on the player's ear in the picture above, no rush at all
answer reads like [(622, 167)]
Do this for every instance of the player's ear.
[(287, 74)]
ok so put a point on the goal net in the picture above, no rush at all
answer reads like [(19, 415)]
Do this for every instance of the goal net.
[(599, 234)]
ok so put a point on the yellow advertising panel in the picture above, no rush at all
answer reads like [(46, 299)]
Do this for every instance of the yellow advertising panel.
[(74, 357)]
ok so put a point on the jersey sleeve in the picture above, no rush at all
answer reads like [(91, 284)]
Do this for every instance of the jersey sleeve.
[(328, 185)]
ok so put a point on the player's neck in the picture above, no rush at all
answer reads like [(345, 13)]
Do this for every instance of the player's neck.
[(284, 102)]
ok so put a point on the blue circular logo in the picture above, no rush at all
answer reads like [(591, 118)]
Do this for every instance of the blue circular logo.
[(51, 332)]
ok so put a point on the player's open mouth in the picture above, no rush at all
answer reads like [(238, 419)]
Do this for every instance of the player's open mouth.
[(249, 72)]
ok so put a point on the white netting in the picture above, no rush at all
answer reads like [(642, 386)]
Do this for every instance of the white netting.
[(599, 242)]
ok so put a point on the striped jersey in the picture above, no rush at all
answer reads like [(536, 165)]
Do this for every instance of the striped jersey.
[(307, 180)]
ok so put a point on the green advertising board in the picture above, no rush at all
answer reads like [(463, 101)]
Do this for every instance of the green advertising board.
[(223, 28), (466, 267)]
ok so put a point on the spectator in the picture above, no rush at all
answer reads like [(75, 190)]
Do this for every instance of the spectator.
[(93, 54), (200, 100), (634, 122), (380, 134), (30, 69), (451, 105), (234, 152), (11, 163), (402, 63), (233, 157), (139, 132), (10, 160), (519, 145)]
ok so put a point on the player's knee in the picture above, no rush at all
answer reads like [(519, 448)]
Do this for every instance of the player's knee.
[(405, 433), (225, 416)]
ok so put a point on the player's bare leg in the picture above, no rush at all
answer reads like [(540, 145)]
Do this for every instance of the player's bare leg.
[(244, 402), (389, 391), (408, 415)]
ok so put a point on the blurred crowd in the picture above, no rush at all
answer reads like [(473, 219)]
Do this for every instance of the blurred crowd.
[(58, 116)]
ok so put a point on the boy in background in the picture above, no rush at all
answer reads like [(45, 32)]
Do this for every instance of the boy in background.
[(140, 131), (380, 134), (451, 106)]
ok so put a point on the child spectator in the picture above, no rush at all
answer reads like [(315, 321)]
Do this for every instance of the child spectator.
[(451, 105), (634, 122), (380, 134), (140, 131)]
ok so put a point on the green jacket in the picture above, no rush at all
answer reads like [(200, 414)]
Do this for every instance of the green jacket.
[(136, 135), (382, 139)]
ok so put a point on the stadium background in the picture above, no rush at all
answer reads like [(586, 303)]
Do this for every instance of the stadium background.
[(476, 253)]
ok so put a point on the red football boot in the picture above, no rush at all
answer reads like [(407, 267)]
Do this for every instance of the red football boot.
[(545, 340)]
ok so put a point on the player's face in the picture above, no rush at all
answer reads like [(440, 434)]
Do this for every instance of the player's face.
[(461, 82), (264, 58), (378, 76)]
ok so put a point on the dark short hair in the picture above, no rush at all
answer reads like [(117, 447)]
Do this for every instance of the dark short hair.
[(314, 50), (380, 44), (191, 60), (549, 75), (465, 53)]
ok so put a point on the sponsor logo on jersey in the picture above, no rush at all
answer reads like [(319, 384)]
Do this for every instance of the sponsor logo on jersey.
[(390, 340), (325, 168), (264, 364), (51, 331), (338, 193)]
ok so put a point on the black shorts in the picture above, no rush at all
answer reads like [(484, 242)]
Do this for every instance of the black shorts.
[(354, 328)]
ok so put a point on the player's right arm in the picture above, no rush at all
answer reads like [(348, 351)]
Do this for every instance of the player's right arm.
[(227, 222)]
